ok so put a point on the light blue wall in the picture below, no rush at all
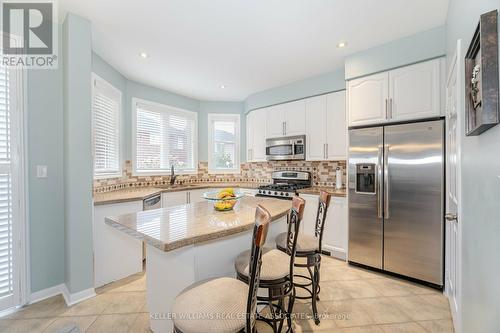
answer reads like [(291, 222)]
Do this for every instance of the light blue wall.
[(218, 107), (78, 177), (316, 85), (46, 195), (419, 47), (480, 177)]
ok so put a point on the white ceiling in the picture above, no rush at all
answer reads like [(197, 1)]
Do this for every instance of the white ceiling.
[(195, 46)]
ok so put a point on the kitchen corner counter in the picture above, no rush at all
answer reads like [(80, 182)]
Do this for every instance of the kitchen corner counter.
[(316, 189), (141, 193), (171, 228)]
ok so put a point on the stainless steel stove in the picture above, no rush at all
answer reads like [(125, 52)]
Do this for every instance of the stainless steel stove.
[(285, 184)]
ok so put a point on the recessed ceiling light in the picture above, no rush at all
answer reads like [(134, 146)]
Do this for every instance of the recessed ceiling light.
[(222, 86), (341, 44), (143, 55)]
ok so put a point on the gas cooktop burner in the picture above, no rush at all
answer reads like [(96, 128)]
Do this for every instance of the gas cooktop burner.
[(286, 184)]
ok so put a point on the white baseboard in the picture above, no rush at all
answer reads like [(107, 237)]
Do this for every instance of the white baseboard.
[(336, 252), (40, 295), (72, 299), (62, 289)]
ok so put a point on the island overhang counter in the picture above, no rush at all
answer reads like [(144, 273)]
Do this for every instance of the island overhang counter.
[(191, 243)]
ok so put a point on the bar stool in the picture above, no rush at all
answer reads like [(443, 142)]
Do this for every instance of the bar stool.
[(310, 247), (224, 305), (277, 272)]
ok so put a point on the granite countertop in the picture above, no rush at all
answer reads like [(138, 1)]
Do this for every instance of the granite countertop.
[(141, 193), (316, 189), (174, 227)]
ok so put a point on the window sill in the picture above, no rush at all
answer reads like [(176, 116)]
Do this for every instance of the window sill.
[(108, 176), (223, 172), (163, 173)]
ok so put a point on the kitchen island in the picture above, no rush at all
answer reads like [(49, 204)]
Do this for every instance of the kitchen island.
[(193, 242)]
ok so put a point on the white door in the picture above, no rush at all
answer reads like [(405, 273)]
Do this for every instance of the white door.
[(453, 229), (259, 121), (275, 121), (367, 99), (414, 91), (316, 108), (11, 185), (336, 126), (335, 233), (250, 134), (295, 118)]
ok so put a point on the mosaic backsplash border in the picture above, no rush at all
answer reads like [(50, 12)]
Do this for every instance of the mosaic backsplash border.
[(323, 174)]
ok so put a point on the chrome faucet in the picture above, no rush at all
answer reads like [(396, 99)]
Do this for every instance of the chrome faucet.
[(173, 176)]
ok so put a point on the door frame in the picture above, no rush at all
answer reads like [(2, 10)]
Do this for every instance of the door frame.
[(457, 64)]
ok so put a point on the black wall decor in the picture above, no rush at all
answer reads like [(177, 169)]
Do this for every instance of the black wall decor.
[(481, 77)]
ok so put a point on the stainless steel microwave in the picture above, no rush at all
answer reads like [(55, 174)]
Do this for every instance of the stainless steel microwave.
[(285, 149)]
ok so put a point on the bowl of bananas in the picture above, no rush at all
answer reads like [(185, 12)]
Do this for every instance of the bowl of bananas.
[(224, 200)]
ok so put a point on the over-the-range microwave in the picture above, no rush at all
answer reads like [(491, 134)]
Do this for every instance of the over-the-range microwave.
[(285, 149)]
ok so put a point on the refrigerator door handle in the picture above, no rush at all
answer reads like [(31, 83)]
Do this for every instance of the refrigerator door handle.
[(380, 206), (386, 183)]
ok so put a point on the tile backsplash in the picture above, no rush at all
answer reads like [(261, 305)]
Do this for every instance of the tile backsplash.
[(323, 174)]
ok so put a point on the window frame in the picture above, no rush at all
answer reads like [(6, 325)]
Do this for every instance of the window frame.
[(212, 117), (159, 107), (107, 85)]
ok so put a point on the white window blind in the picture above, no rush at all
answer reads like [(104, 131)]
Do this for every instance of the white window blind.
[(224, 143), (106, 109), (6, 226), (164, 136)]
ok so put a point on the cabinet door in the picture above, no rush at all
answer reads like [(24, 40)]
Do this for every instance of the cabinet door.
[(259, 121), (275, 121), (414, 91), (170, 199), (197, 195), (336, 127), (295, 118), (116, 254), (316, 128), (335, 233), (367, 99), (310, 211), (250, 134)]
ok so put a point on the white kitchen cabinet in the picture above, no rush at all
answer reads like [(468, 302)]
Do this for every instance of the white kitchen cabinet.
[(310, 211), (407, 93), (367, 98), (335, 234), (275, 124), (116, 254), (316, 128), (414, 91), (170, 199), (256, 135), (295, 118), (326, 127), (336, 126)]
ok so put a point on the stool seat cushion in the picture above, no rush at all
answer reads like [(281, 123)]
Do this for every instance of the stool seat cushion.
[(275, 264), (211, 306), (305, 243)]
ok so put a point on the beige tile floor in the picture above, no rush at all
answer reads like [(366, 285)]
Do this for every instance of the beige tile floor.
[(352, 300)]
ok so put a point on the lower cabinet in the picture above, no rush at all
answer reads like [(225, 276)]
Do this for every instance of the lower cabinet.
[(170, 199), (335, 232), (116, 254)]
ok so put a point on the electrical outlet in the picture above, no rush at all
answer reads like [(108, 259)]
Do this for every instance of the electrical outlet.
[(41, 171)]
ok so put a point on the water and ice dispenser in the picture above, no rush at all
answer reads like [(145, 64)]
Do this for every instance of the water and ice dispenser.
[(365, 178)]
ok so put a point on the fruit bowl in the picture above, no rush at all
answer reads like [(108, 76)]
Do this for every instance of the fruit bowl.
[(223, 200)]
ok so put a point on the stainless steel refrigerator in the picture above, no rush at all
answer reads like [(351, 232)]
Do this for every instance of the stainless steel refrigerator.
[(396, 199)]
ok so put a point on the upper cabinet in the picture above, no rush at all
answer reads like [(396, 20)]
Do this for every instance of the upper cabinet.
[(407, 93), (286, 119), (414, 91), (326, 129), (256, 135)]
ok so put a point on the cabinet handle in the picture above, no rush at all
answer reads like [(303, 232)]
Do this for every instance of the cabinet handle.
[(390, 108), (386, 109), (326, 151), (285, 127)]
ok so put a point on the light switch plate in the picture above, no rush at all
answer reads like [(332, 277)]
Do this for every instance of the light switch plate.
[(41, 171)]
